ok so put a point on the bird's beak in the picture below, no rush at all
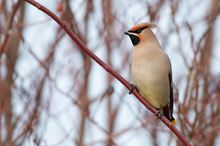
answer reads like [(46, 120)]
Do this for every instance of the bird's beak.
[(126, 33)]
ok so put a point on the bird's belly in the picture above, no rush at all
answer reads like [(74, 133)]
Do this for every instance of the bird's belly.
[(154, 87)]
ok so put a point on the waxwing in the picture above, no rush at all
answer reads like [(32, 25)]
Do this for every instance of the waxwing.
[(151, 69)]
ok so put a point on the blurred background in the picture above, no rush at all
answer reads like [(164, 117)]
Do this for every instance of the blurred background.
[(52, 94)]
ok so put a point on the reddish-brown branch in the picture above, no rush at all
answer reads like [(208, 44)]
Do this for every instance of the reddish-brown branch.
[(108, 69), (6, 39)]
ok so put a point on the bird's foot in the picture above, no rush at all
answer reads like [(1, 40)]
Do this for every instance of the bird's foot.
[(133, 87), (159, 114)]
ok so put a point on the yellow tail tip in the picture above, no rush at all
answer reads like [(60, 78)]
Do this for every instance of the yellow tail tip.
[(174, 122)]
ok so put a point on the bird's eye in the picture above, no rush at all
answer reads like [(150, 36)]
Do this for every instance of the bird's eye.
[(139, 30)]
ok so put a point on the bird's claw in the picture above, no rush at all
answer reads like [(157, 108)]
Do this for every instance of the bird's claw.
[(133, 87), (159, 114)]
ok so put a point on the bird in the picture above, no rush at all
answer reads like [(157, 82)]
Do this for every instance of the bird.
[(151, 70)]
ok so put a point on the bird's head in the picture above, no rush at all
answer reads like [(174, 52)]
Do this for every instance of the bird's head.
[(140, 32)]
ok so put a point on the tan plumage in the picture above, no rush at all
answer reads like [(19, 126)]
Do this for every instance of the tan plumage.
[(151, 69)]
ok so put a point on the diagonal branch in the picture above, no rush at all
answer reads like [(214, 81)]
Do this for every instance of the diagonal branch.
[(109, 69)]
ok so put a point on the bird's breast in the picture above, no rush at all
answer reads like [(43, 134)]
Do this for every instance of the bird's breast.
[(150, 76)]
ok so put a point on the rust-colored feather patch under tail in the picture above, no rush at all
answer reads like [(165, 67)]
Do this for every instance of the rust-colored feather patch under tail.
[(166, 113)]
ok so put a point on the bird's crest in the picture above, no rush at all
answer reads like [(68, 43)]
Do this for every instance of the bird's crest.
[(142, 26)]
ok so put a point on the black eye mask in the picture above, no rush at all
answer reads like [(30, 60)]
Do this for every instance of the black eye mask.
[(138, 31)]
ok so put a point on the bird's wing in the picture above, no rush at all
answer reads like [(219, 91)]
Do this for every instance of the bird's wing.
[(171, 93), (171, 88)]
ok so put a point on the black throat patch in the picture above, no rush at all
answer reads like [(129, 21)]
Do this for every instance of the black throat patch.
[(134, 39)]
